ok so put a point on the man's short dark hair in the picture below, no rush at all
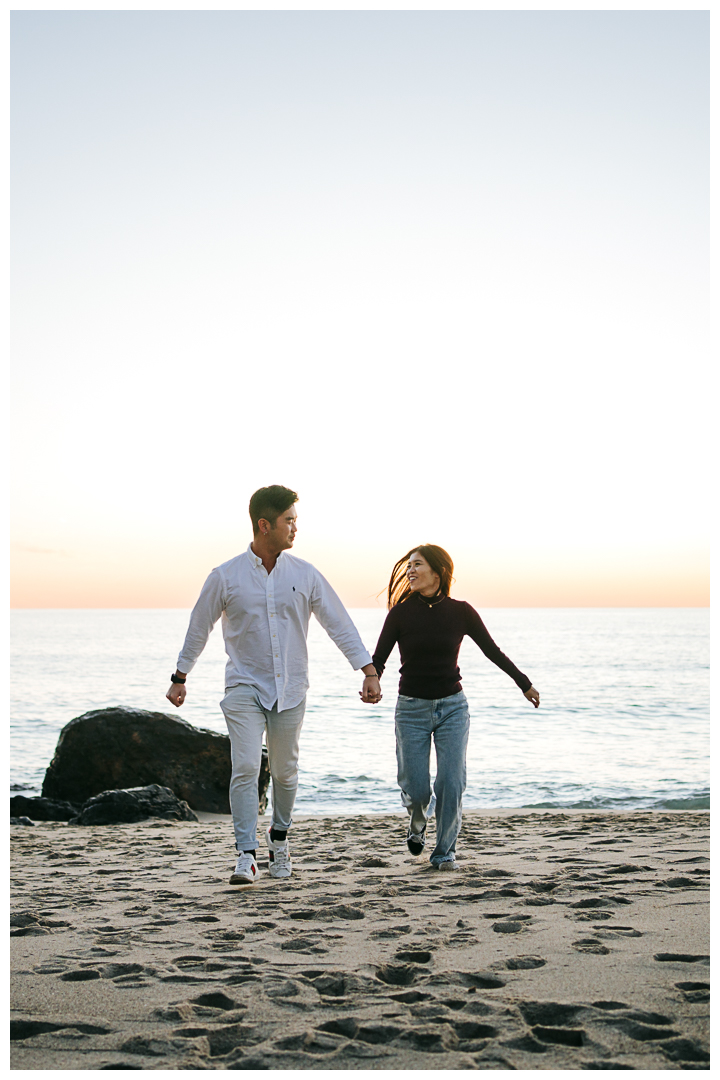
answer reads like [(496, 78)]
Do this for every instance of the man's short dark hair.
[(270, 503)]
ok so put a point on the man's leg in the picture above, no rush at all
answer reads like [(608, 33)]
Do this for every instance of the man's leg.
[(452, 726), (283, 740), (283, 743), (245, 718), (413, 728)]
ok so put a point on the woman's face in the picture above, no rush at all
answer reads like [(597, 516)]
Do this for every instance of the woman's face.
[(421, 577)]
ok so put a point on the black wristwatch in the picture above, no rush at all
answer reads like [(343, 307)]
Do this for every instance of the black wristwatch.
[(176, 679)]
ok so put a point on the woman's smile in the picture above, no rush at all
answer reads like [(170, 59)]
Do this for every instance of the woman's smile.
[(420, 575)]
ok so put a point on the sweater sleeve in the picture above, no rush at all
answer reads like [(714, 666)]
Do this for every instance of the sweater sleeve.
[(476, 629), (386, 642)]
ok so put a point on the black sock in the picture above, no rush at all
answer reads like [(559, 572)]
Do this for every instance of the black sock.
[(278, 834), (250, 853)]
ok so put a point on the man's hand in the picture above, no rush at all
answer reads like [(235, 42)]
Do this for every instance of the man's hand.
[(532, 695), (176, 694), (371, 692)]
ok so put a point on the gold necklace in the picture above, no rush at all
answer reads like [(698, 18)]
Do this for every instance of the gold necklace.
[(427, 603)]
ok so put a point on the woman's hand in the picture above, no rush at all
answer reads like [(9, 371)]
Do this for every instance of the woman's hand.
[(532, 695), (371, 692)]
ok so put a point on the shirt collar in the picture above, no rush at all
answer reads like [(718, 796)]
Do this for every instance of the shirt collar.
[(255, 559)]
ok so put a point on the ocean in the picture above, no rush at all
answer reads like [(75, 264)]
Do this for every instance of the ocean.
[(623, 722)]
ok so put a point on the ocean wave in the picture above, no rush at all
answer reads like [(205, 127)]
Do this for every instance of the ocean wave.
[(699, 800)]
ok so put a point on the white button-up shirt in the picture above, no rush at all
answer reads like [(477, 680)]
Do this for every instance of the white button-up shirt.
[(265, 623)]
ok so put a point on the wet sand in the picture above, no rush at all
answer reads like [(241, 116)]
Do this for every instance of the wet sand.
[(575, 940)]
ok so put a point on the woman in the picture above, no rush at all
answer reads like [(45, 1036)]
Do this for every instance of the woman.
[(428, 626)]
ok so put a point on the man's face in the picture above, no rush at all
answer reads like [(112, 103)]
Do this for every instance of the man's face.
[(283, 534)]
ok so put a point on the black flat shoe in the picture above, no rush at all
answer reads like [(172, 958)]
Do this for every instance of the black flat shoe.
[(415, 842)]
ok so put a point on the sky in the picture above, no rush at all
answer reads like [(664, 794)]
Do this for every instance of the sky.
[(444, 273)]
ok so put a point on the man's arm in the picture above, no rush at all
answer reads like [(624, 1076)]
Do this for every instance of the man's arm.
[(328, 609), (205, 614)]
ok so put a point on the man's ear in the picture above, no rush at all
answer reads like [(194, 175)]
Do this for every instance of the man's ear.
[(263, 526)]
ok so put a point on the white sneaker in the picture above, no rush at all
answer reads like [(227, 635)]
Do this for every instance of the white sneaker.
[(279, 863), (246, 870), (449, 864)]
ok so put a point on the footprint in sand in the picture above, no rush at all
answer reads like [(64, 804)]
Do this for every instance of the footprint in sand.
[(683, 958), (340, 911), (391, 932), (616, 931), (590, 945), (304, 945), (398, 974), (524, 963), (415, 956), (34, 924), (694, 992), (600, 901), (510, 926), (27, 1029)]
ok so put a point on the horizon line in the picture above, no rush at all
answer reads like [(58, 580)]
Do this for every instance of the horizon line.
[(368, 607)]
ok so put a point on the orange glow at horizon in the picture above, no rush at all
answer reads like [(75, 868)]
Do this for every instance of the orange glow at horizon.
[(159, 579)]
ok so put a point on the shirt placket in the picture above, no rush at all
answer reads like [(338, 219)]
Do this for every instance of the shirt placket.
[(274, 634)]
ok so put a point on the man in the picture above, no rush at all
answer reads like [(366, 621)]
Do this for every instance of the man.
[(265, 598)]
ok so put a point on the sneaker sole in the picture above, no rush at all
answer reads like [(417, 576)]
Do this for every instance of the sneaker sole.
[(281, 874), (237, 880)]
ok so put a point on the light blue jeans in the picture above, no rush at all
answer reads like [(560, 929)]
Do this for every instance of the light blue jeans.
[(419, 721), (246, 720)]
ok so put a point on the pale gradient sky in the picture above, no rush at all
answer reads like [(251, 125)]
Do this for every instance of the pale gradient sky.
[(444, 273)]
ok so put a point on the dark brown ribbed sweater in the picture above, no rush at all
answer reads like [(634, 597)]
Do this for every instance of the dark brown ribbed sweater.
[(429, 640)]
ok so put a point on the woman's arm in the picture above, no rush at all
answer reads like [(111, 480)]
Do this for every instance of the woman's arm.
[(386, 642), (476, 629), (385, 645)]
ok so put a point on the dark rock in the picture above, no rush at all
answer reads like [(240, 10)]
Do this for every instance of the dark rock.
[(118, 748), (21, 821), (40, 809), (133, 804)]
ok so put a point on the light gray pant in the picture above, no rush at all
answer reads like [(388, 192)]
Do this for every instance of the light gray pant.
[(246, 720)]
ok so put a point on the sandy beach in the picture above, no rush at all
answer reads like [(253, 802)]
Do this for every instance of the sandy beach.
[(574, 940)]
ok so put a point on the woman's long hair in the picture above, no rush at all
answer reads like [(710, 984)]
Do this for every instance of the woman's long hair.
[(437, 559)]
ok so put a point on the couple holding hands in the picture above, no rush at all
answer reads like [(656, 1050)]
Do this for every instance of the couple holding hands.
[(265, 598)]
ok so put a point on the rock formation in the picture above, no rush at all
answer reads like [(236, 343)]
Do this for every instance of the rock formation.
[(119, 748), (133, 804), (39, 809)]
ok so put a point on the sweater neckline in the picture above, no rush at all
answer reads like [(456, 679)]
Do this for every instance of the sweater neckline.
[(431, 601)]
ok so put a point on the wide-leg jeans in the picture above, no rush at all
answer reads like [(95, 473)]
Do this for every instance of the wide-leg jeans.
[(246, 720), (418, 722)]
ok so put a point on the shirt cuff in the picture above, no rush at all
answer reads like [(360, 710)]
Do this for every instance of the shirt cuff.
[(360, 660)]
